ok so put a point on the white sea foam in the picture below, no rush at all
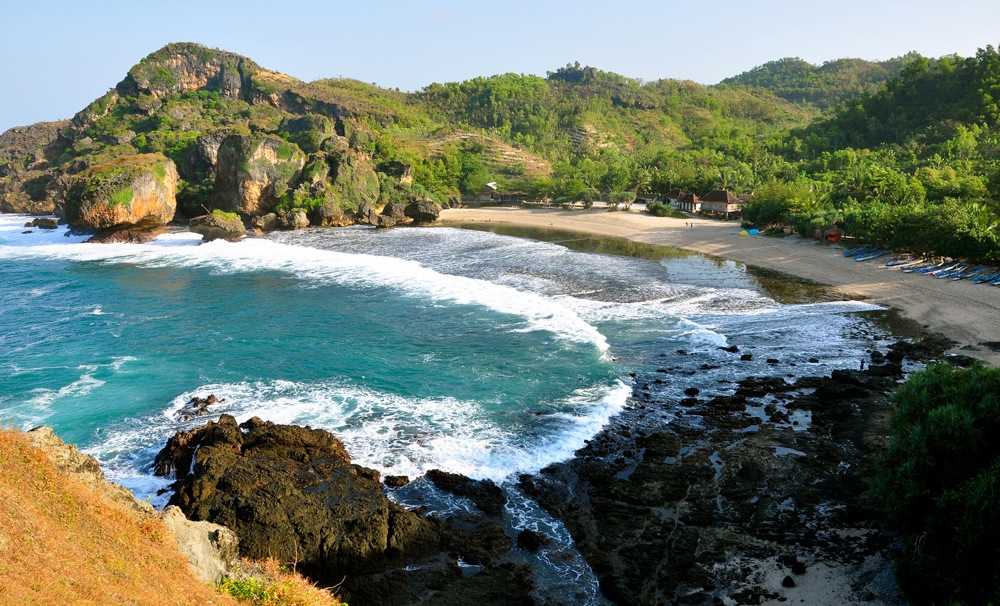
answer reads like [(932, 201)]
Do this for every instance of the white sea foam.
[(317, 266), (389, 432)]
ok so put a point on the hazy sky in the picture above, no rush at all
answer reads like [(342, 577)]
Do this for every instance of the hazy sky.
[(60, 55)]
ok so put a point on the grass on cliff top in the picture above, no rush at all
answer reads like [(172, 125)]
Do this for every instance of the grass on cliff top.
[(62, 544)]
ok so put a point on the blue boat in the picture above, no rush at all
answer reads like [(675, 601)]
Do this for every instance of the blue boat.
[(942, 267), (878, 252), (985, 278), (853, 252), (950, 272), (968, 274), (929, 265)]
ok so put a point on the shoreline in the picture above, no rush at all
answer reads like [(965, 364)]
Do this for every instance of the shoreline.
[(966, 313)]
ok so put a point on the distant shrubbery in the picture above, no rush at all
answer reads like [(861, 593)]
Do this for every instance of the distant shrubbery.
[(940, 481)]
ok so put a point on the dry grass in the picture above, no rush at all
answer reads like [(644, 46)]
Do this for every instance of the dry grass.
[(61, 544), (267, 583)]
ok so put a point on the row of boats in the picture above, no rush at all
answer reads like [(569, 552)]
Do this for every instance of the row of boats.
[(952, 270)]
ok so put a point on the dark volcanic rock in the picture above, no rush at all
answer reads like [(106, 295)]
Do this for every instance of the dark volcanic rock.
[(292, 493), (484, 493), (691, 511)]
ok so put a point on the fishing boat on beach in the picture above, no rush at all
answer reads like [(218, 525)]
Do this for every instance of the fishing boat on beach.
[(972, 273), (926, 266), (901, 263), (860, 250), (874, 254)]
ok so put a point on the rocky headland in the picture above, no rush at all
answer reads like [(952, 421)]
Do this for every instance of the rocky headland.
[(745, 493), (190, 130)]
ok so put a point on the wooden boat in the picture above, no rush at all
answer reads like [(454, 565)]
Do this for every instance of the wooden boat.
[(985, 278)]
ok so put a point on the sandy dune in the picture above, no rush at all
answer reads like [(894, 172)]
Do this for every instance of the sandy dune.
[(965, 312)]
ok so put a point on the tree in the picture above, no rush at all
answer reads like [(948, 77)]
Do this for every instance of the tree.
[(939, 480)]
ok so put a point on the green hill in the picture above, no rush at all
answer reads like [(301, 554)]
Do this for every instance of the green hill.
[(824, 85)]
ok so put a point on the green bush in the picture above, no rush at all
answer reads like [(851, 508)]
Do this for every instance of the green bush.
[(940, 482)]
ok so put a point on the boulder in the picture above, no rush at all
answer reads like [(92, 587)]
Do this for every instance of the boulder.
[(396, 211), (266, 223), (366, 214), (212, 550), (144, 231), (218, 226), (293, 219), (423, 212), (43, 223), (125, 191), (292, 493)]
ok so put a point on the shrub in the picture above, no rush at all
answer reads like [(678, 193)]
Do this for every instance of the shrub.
[(940, 482)]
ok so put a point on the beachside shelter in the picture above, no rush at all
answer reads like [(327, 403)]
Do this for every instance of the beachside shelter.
[(689, 202), (488, 193), (721, 202), (673, 196)]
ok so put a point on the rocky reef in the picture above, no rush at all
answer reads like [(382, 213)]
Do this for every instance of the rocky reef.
[(753, 492)]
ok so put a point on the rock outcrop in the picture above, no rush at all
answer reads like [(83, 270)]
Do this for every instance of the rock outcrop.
[(212, 550), (125, 191), (423, 212), (29, 183), (218, 226), (253, 172), (292, 493)]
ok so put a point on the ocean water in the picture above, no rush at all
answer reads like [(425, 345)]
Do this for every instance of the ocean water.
[(470, 351)]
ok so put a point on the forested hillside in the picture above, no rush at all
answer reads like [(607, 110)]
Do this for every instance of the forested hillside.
[(915, 165), (824, 85)]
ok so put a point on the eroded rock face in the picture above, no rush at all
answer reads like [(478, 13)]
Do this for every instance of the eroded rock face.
[(350, 182), (252, 172), (292, 493), (128, 190)]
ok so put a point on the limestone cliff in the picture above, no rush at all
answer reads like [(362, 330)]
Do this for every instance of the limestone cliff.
[(253, 172), (126, 191)]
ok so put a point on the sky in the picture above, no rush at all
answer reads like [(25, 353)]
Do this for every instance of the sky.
[(63, 54)]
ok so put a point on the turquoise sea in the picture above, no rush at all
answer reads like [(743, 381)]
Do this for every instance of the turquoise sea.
[(470, 351)]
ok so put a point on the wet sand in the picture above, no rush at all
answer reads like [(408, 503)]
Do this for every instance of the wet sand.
[(965, 312)]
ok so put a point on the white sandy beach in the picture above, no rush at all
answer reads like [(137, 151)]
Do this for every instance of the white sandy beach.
[(965, 312)]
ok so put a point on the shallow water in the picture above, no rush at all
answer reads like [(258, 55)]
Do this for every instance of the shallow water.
[(474, 352)]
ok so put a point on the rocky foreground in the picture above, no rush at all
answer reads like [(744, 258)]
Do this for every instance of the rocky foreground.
[(758, 493)]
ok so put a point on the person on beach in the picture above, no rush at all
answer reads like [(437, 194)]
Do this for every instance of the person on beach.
[(862, 364)]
